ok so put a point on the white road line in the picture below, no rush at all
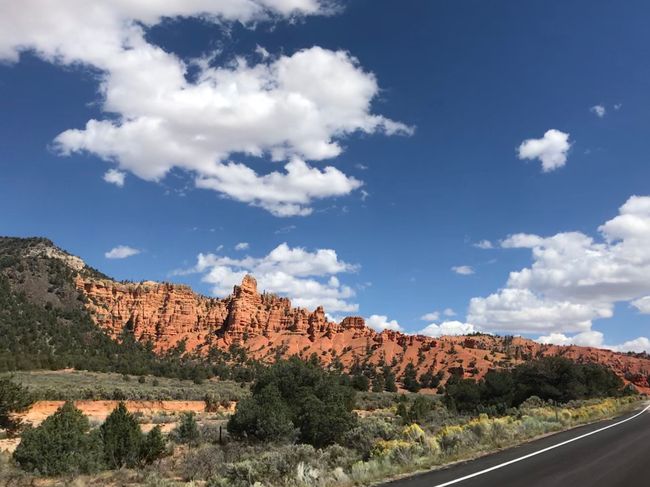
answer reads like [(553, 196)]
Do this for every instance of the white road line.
[(539, 452)]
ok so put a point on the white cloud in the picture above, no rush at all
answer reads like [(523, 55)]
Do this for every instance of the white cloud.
[(449, 312), (585, 339), (551, 149), (121, 252), (642, 304), (433, 316), (596, 339), (598, 110), (638, 345), (288, 108), (574, 278), (618, 106), (308, 278), (115, 177), (381, 322), (448, 328), (484, 244), (463, 270), (242, 246), (522, 241)]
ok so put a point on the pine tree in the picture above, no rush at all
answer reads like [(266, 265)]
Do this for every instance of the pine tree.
[(153, 446), (61, 444), (122, 438), (188, 429), (410, 378), (13, 399), (378, 383), (389, 379)]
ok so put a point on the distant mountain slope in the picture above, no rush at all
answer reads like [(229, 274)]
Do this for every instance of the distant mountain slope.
[(55, 311), (44, 322)]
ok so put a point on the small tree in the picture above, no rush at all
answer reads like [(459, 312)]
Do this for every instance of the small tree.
[(389, 379), (153, 446), (122, 438), (62, 444), (13, 399), (410, 378), (293, 394), (265, 417), (187, 430), (378, 383), (360, 382)]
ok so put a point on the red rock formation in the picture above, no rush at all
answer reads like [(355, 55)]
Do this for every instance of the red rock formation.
[(266, 324)]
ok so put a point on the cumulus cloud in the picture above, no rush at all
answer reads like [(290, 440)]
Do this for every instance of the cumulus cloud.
[(551, 149), (242, 246), (381, 322), (449, 312), (289, 108), (638, 345), (463, 270), (585, 339), (596, 339), (309, 278), (121, 252), (115, 177), (448, 328), (598, 110), (574, 278), (433, 316)]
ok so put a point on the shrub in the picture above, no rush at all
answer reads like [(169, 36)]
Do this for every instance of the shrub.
[(295, 394), (13, 399), (152, 447), (360, 382), (62, 444), (202, 463), (265, 417), (363, 437), (122, 438), (187, 430)]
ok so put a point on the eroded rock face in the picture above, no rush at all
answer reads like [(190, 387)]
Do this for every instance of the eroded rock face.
[(168, 313), (267, 325)]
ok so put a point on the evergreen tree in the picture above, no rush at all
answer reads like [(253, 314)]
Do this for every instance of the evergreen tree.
[(13, 399), (360, 382), (389, 379), (293, 394), (62, 444), (188, 429), (265, 417), (378, 383), (410, 378), (153, 446), (122, 438)]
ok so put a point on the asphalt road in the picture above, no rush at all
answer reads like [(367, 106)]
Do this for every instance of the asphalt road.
[(617, 456)]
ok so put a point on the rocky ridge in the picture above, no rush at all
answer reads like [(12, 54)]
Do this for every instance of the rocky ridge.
[(267, 326)]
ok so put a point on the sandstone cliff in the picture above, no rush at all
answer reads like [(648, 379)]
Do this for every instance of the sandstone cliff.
[(268, 326)]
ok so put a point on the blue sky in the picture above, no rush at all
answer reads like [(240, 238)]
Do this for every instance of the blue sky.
[(421, 108)]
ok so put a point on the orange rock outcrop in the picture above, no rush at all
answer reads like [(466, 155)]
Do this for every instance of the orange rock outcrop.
[(268, 326)]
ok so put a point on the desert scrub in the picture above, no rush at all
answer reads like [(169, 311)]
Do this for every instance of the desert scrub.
[(48, 385), (415, 449)]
